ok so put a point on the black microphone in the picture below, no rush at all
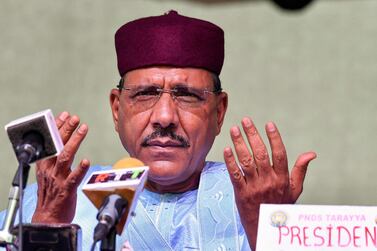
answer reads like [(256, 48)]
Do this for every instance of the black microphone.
[(35, 137), (108, 215), (31, 147)]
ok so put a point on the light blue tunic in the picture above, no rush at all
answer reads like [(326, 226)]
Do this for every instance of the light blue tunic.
[(202, 219)]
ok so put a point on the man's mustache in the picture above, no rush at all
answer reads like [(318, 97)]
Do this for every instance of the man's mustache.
[(165, 132)]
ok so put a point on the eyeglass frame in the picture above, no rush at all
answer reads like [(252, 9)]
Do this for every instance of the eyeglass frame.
[(171, 92), (217, 85)]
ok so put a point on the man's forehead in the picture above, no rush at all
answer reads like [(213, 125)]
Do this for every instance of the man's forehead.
[(169, 75)]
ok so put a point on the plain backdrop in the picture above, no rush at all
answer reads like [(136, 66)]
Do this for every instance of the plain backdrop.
[(314, 73)]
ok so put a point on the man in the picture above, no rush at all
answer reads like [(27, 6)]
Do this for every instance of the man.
[(168, 109)]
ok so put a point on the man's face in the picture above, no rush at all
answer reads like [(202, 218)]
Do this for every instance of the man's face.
[(172, 137)]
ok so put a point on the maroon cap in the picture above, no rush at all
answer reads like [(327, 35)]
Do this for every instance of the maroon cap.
[(170, 40)]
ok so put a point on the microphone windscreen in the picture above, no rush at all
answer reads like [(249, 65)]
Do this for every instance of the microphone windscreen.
[(42, 123), (127, 163)]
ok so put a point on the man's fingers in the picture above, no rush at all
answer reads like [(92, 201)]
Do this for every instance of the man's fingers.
[(65, 159), (235, 173), (69, 126), (61, 119), (244, 156), (259, 149), (77, 175), (298, 174), (279, 154)]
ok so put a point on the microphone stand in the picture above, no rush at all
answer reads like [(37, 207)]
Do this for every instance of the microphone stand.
[(15, 196), (108, 216), (109, 243)]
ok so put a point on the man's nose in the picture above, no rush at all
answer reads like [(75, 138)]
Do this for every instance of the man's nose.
[(164, 112)]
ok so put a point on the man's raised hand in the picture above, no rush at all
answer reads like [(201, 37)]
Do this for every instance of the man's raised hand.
[(57, 183), (256, 179)]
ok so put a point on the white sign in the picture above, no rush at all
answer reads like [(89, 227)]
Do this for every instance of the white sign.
[(309, 227)]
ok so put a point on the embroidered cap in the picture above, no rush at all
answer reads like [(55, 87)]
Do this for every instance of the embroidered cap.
[(169, 40)]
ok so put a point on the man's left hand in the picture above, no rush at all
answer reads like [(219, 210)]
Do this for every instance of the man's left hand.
[(256, 180)]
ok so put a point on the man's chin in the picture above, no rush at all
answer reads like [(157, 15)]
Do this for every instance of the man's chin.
[(165, 170), (172, 176)]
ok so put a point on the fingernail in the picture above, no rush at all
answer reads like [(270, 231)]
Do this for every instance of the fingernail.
[(63, 116), (228, 152), (314, 155), (85, 163), (247, 122), (271, 127), (236, 131), (74, 120), (83, 128)]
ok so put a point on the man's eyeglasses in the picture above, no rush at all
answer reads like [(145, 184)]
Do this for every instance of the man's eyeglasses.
[(146, 96)]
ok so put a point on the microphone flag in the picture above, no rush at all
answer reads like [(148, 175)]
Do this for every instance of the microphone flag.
[(127, 179)]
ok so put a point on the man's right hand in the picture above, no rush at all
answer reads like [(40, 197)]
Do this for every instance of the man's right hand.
[(57, 183)]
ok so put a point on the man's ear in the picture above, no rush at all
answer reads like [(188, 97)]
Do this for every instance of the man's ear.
[(222, 105), (114, 104)]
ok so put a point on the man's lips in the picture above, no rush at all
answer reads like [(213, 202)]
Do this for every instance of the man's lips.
[(164, 143)]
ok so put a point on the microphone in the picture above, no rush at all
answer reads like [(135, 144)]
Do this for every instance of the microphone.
[(115, 193), (35, 137), (108, 215)]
